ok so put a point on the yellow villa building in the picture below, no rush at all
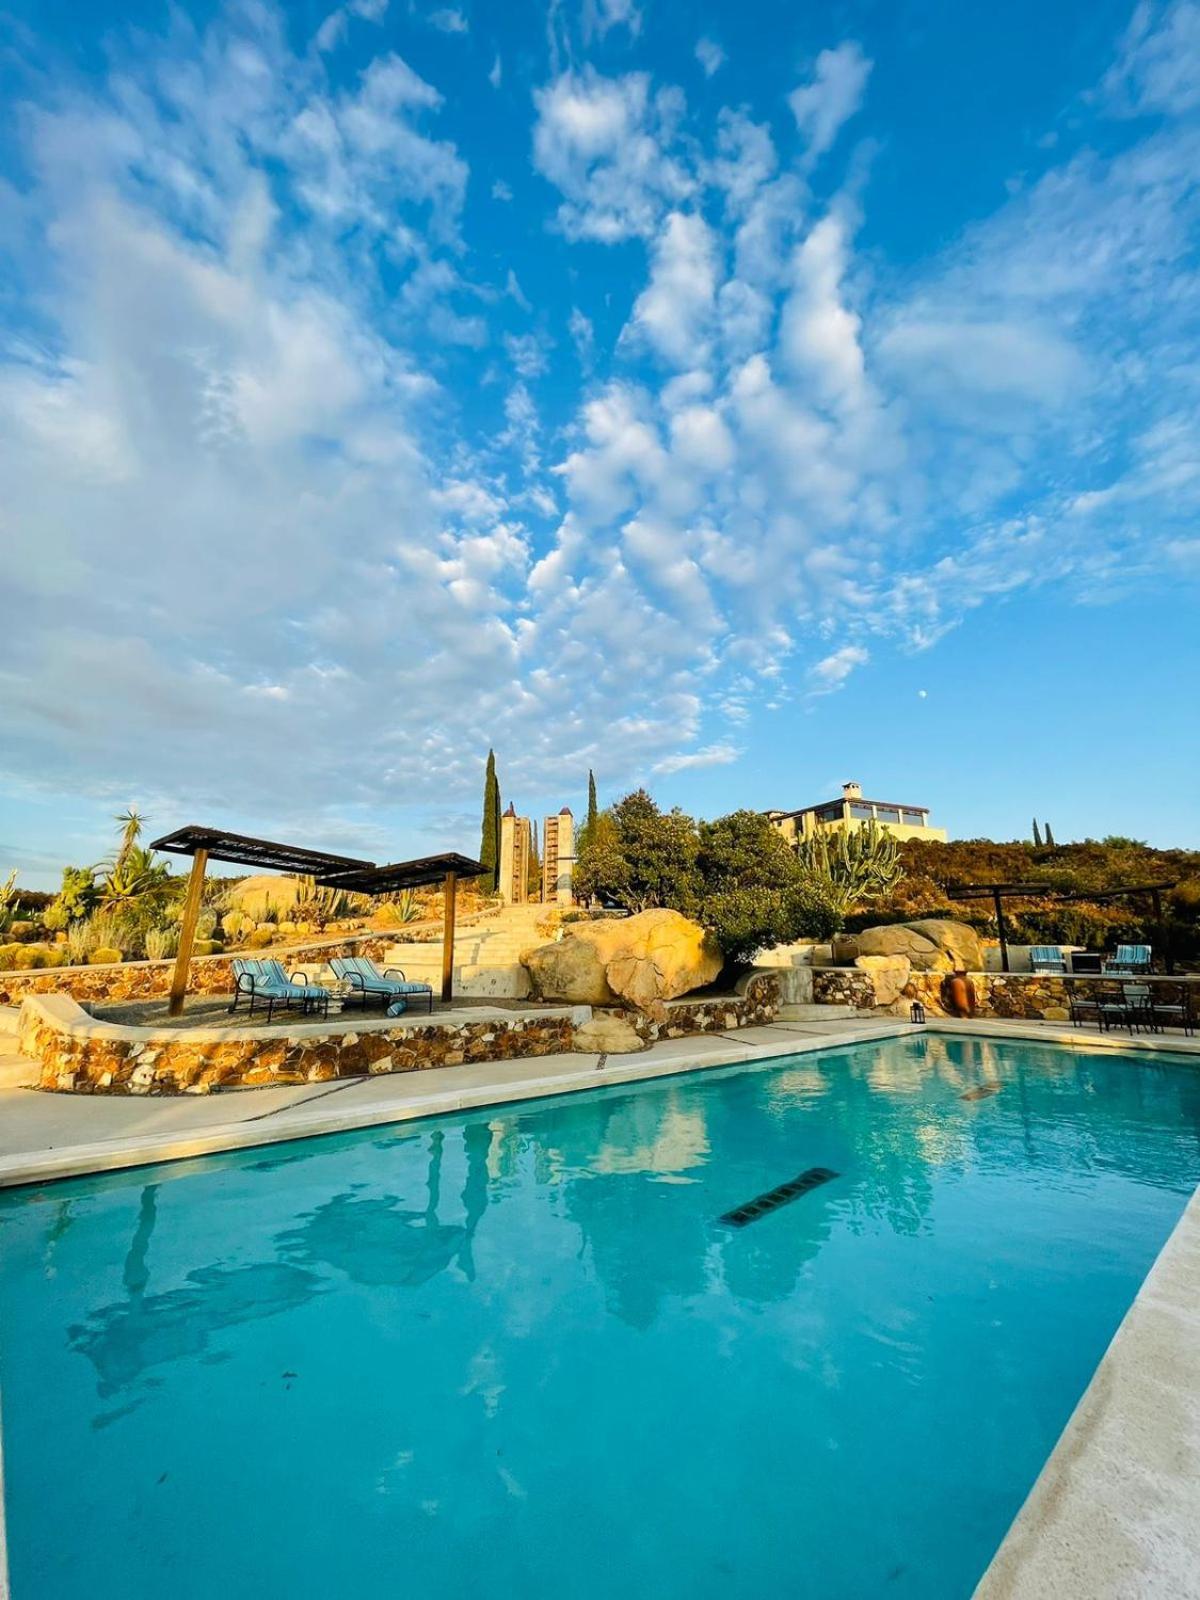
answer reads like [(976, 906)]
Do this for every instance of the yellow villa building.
[(852, 811)]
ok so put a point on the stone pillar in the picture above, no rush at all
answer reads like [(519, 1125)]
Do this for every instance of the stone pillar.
[(558, 858), (514, 858)]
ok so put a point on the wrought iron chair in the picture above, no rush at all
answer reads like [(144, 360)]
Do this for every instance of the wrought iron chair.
[(1083, 1003), (1179, 1013)]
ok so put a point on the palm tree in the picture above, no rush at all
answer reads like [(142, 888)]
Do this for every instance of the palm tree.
[(130, 822)]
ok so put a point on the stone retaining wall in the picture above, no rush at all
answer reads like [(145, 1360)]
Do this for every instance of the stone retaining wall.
[(759, 1004), (146, 980), (83, 1056), (1017, 995)]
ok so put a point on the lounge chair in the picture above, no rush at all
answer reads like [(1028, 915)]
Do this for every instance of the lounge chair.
[(366, 982), (266, 982), (1047, 958), (1129, 958)]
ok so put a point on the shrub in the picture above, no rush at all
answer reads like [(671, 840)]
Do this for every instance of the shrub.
[(104, 956), (208, 947), (260, 938), (8, 956), (747, 920), (161, 943)]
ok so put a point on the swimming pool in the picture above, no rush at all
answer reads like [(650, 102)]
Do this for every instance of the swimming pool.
[(519, 1348)]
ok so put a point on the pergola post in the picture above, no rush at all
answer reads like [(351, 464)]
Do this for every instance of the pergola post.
[(187, 932), (448, 898), (1002, 931)]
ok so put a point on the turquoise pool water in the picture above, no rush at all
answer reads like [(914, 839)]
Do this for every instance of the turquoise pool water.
[(517, 1351)]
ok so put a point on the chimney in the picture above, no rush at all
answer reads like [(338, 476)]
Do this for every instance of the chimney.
[(852, 791)]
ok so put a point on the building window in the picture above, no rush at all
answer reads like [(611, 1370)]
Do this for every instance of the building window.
[(914, 819), (888, 813), (860, 812), (831, 813)]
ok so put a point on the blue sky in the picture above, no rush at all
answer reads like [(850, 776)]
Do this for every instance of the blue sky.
[(734, 399)]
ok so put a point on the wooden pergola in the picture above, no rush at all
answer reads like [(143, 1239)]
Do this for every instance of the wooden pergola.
[(997, 893), (333, 871)]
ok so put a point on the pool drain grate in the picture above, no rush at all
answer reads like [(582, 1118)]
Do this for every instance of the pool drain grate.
[(774, 1198), (983, 1091)]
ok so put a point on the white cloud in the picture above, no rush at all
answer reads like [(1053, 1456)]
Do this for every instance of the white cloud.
[(495, 73), (831, 671), (601, 16), (501, 191), (1158, 68), (710, 56), (822, 106), (712, 755), (819, 334), (583, 335), (448, 20), (605, 142), (674, 312)]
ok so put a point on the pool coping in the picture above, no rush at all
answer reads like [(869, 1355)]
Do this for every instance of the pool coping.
[(513, 1081)]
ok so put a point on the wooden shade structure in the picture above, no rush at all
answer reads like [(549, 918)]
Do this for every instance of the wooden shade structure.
[(444, 869), (341, 872), (999, 892)]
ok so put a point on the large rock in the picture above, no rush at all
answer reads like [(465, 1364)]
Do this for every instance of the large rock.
[(932, 944), (644, 960), (889, 974), (608, 1033)]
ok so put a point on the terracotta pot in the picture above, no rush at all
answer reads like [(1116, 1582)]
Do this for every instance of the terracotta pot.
[(958, 994)]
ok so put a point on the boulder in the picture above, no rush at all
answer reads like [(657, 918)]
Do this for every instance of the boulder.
[(644, 960), (932, 944), (607, 1033), (888, 974)]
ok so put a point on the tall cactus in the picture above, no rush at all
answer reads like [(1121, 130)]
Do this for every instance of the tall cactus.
[(858, 864)]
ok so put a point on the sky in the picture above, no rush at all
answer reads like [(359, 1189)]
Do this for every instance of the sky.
[(734, 399)]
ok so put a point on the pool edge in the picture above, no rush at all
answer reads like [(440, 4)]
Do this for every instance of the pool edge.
[(1115, 1511)]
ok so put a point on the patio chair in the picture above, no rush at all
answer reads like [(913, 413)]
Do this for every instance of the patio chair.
[(1179, 1013), (1138, 1007), (266, 983), (1083, 1002), (1112, 1008), (1129, 958), (366, 982), (1047, 958)]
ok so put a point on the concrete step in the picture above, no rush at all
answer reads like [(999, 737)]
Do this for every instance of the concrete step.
[(9, 1016), (807, 1013), (17, 1072)]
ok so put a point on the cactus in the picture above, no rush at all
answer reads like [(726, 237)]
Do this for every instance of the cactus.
[(8, 901), (161, 944), (857, 864), (104, 956)]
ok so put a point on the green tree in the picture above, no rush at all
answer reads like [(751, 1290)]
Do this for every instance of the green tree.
[(639, 856), (77, 899), (754, 892), (489, 839), (1037, 838), (858, 865)]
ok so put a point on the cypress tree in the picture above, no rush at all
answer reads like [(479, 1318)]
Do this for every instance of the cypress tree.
[(1037, 838), (489, 839), (1050, 838), (534, 876), (593, 809)]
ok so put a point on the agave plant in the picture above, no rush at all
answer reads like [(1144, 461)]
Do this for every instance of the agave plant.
[(858, 864), (8, 901)]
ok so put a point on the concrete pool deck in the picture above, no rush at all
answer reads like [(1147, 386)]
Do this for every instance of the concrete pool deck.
[(1115, 1512)]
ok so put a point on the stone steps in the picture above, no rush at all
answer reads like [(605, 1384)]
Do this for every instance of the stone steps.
[(17, 1072), (9, 1017)]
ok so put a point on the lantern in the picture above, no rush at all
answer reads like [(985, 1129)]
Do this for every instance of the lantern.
[(917, 1012)]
